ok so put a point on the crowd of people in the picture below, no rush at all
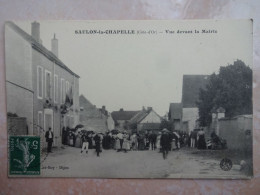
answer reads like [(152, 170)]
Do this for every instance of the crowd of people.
[(123, 141)]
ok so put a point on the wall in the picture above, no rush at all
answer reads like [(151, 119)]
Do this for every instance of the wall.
[(18, 58), (152, 117), (18, 76), (190, 115), (235, 132)]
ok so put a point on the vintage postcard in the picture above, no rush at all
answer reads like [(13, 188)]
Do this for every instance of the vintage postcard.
[(130, 99)]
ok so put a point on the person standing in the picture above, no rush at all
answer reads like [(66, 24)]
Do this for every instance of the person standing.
[(97, 140), (192, 139), (177, 140), (153, 137), (141, 141), (117, 144), (165, 142), (64, 134), (201, 140), (85, 143), (134, 141), (158, 142), (49, 139), (121, 139), (126, 144)]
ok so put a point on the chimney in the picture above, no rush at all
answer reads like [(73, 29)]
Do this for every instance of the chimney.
[(103, 108), (121, 110), (54, 46), (149, 108), (35, 28)]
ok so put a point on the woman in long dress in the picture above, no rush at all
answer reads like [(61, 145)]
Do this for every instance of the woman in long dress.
[(158, 142), (201, 140), (141, 142), (117, 145), (126, 143), (134, 141)]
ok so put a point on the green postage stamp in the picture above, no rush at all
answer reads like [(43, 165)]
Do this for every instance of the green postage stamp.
[(24, 155)]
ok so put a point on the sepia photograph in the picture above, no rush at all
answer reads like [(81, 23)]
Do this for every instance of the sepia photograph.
[(130, 99)]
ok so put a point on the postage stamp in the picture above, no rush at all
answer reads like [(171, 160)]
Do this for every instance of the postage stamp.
[(24, 155)]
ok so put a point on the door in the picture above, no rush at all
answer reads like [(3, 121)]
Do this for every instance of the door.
[(48, 122)]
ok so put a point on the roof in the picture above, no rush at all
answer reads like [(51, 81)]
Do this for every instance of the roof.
[(190, 89), (175, 111), (150, 126), (39, 47), (123, 115), (84, 100), (141, 116)]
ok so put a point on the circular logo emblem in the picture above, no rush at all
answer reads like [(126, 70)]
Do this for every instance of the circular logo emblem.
[(226, 164)]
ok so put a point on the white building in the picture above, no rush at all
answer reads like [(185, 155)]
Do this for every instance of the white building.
[(40, 87), (190, 95)]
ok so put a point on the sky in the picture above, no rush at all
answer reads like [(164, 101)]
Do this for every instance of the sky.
[(130, 71)]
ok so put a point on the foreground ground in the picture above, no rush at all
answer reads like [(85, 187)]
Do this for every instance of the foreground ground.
[(184, 163)]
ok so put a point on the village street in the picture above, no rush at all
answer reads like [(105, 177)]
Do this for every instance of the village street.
[(185, 163)]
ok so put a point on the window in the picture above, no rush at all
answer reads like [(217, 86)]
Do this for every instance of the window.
[(39, 82), (67, 87), (40, 127), (47, 84), (56, 88), (62, 92)]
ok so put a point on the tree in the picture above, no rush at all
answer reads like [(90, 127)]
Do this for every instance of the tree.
[(231, 89)]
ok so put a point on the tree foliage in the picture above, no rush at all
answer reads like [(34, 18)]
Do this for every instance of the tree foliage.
[(230, 89)]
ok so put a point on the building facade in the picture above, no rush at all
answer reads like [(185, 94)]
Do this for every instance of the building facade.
[(92, 118), (190, 95), (122, 118), (146, 120), (175, 116), (237, 131), (40, 87)]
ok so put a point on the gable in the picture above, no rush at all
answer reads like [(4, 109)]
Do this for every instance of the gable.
[(123, 115), (152, 117)]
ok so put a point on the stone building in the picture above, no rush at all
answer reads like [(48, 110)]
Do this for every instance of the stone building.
[(190, 94), (146, 120), (122, 118), (40, 87), (175, 116), (93, 118)]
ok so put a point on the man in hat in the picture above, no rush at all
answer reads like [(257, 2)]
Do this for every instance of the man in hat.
[(49, 139), (97, 139), (165, 142), (153, 137)]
